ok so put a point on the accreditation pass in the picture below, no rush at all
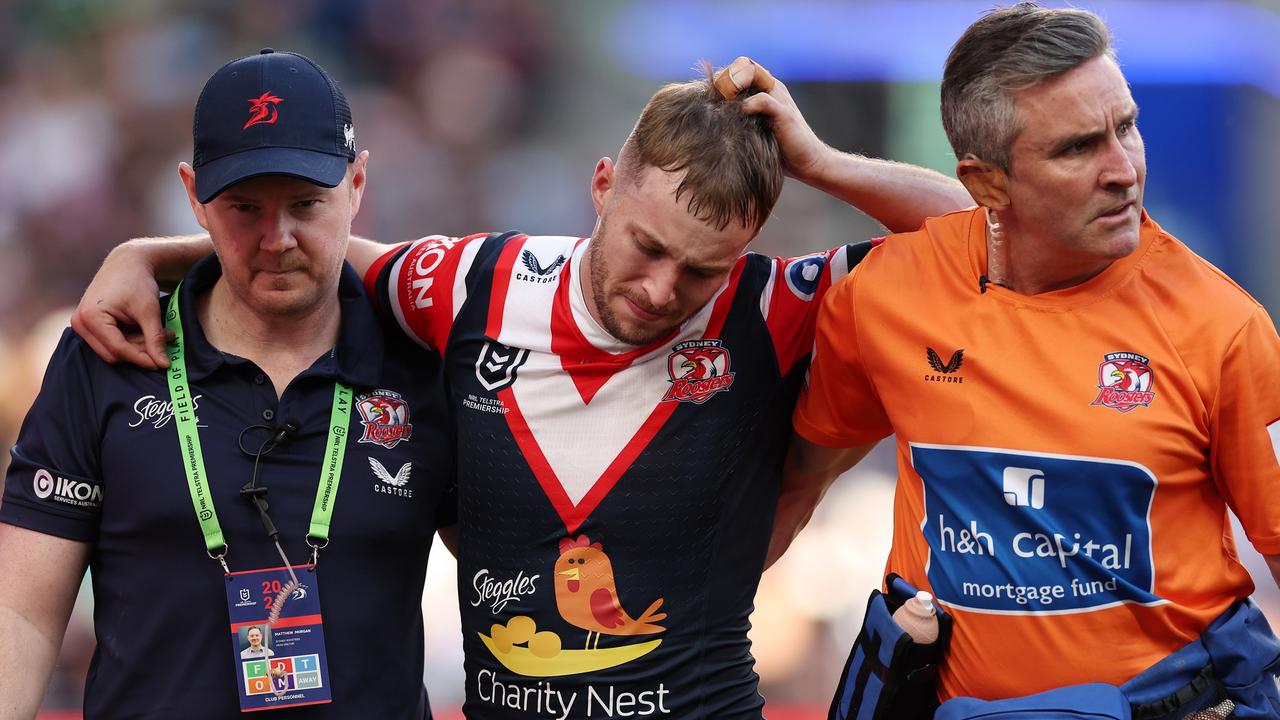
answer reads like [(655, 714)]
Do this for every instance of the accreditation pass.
[(280, 665)]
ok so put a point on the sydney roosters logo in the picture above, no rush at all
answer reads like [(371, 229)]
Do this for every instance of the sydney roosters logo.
[(1124, 381), (698, 370), (385, 416), (263, 110)]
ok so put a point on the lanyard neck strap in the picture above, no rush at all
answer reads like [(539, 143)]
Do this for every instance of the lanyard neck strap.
[(193, 459)]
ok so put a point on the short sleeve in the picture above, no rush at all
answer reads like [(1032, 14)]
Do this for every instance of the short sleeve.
[(793, 294), (1245, 431), (839, 406), (423, 285), (53, 484)]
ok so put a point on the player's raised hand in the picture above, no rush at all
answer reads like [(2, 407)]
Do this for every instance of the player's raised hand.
[(119, 313), (803, 154)]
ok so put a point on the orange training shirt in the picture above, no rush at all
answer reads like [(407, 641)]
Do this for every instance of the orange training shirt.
[(1066, 460)]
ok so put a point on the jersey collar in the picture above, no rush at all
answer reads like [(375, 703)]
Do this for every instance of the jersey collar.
[(1087, 292)]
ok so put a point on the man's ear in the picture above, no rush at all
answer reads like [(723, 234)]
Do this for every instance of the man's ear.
[(188, 175), (359, 176), (602, 183), (986, 183)]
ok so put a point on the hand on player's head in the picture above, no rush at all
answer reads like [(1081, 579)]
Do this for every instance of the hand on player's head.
[(802, 151), (743, 74)]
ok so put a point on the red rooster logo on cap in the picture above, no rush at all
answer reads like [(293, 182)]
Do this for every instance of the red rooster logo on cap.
[(262, 109)]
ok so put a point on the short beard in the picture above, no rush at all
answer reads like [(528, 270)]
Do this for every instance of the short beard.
[(598, 266)]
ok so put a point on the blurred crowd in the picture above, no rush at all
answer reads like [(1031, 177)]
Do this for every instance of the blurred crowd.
[(479, 116)]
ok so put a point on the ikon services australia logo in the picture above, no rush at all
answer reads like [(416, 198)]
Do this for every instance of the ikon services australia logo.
[(75, 493)]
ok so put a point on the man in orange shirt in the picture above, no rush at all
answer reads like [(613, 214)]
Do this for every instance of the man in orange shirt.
[(1078, 398)]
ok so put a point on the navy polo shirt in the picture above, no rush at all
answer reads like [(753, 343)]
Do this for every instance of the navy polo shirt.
[(98, 461)]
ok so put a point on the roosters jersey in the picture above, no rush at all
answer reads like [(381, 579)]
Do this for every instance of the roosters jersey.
[(615, 501), (1066, 460)]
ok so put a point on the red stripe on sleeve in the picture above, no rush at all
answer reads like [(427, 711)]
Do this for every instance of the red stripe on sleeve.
[(793, 310), (423, 287), (501, 283)]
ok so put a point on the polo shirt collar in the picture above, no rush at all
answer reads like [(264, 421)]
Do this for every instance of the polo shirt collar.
[(355, 359)]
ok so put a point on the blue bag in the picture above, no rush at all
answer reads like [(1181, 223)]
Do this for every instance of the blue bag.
[(887, 675), (1236, 659), (1092, 701)]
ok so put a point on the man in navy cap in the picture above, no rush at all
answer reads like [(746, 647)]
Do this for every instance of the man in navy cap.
[(281, 385)]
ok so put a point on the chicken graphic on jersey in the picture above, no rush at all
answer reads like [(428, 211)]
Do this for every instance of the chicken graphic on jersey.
[(587, 595)]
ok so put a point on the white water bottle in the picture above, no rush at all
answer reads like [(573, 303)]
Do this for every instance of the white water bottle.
[(918, 618)]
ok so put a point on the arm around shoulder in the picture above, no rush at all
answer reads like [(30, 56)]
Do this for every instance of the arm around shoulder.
[(124, 294), (362, 253)]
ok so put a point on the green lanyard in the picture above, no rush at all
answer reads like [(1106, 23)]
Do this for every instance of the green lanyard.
[(193, 459)]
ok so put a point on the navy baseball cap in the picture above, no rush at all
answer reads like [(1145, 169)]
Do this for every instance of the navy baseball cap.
[(274, 113)]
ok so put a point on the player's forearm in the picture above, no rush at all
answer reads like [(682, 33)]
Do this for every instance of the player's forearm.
[(796, 503), (899, 196), (807, 474), (168, 258), (27, 658), (363, 252)]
